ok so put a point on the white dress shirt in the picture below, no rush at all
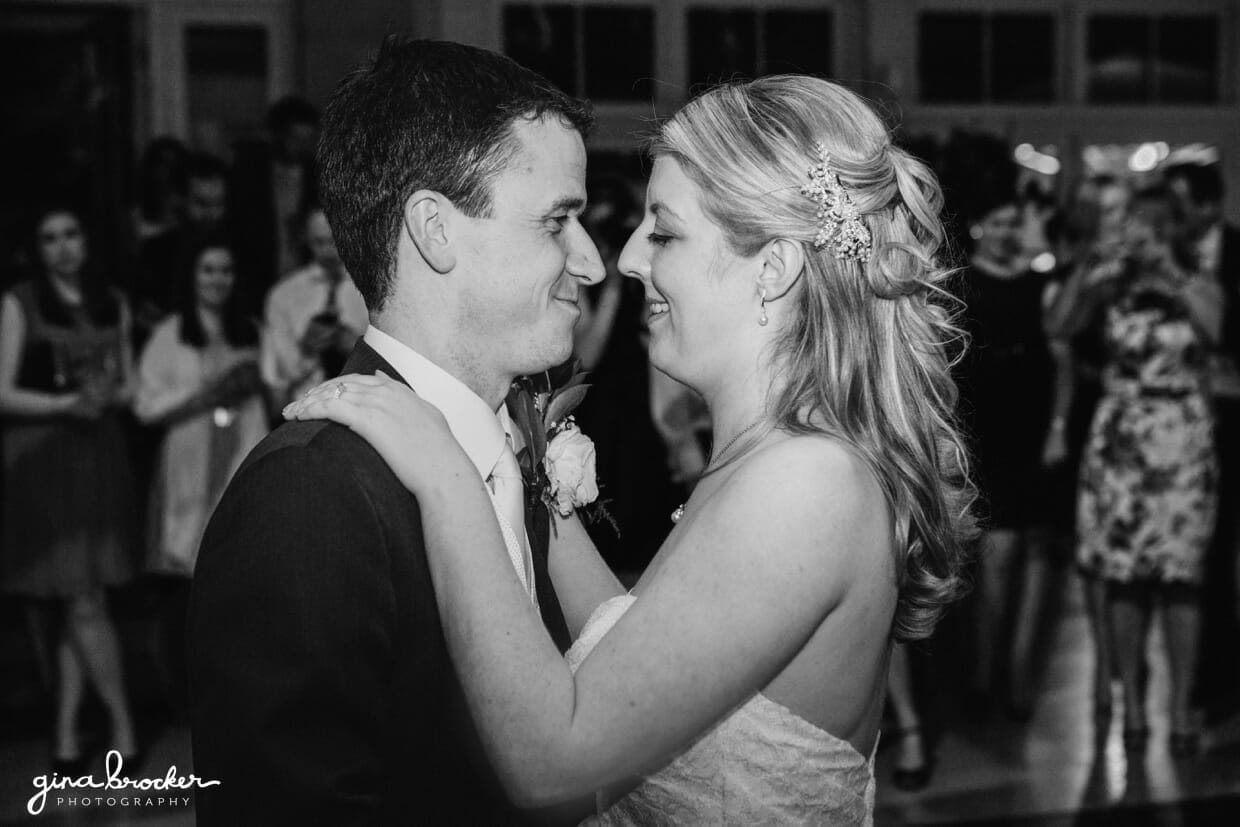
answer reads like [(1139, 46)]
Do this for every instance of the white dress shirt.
[(291, 304), (480, 431)]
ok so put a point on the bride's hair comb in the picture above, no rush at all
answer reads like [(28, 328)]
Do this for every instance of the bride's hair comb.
[(839, 223)]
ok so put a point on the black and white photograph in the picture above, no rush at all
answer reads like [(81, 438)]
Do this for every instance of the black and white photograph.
[(620, 412)]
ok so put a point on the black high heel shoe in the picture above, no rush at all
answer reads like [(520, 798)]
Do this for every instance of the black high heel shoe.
[(912, 779)]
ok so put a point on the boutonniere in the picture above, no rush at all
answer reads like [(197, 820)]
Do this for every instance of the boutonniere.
[(558, 459)]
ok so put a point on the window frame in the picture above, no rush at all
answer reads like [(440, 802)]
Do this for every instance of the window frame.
[(1226, 82), (1061, 68), (168, 23), (617, 121)]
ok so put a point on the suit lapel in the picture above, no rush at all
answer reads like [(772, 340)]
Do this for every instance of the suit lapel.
[(538, 532), (364, 359)]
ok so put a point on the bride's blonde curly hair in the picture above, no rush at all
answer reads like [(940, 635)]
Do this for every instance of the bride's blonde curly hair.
[(867, 354)]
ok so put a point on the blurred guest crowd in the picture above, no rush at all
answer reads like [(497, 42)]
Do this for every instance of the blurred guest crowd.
[(1100, 386)]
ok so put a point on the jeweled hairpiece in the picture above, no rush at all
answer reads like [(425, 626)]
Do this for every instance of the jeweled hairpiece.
[(839, 223)]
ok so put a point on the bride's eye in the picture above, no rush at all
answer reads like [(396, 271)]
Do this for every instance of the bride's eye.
[(658, 239)]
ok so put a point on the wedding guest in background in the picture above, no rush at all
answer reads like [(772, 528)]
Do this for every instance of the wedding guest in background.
[(1007, 385), (161, 188), (272, 187), (1096, 220), (913, 766), (206, 210), (1214, 246), (1148, 483), (313, 318), (64, 380), (198, 377), (681, 419)]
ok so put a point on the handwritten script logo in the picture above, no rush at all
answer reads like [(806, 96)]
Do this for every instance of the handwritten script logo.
[(114, 781)]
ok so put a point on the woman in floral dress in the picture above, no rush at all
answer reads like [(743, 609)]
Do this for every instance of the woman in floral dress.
[(1147, 486)]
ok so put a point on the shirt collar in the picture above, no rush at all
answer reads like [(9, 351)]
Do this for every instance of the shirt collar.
[(478, 429)]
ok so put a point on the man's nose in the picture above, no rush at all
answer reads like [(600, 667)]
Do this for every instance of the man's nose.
[(584, 262)]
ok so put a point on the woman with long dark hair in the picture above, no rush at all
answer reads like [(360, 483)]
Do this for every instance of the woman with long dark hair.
[(65, 371), (197, 377)]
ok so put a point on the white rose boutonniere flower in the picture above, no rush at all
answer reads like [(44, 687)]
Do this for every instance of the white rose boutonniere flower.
[(558, 460), (572, 480)]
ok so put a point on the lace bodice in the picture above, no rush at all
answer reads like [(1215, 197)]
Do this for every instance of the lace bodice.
[(762, 764)]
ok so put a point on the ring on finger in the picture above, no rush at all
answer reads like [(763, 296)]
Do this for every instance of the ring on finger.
[(340, 389)]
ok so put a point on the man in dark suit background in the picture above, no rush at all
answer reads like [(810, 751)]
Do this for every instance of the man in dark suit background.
[(1214, 247), (206, 211), (272, 188), (321, 688)]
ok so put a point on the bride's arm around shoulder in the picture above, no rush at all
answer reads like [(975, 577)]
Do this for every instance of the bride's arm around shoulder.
[(794, 532)]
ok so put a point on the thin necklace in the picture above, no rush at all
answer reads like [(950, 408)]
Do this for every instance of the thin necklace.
[(680, 509)]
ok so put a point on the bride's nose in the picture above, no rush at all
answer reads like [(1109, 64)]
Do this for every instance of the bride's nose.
[(634, 259)]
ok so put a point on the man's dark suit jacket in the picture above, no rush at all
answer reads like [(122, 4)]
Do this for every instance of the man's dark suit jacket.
[(321, 689)]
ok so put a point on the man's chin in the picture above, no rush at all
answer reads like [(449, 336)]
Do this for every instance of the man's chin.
[(552, 357)]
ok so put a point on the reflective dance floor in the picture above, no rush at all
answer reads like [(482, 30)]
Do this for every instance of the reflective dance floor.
[(1054, 770)]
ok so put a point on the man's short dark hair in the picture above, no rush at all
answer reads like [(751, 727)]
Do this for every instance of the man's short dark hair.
[(1205, 182), (424, 114), (289, 111)]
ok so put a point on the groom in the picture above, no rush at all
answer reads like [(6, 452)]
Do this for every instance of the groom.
[(321, 688)]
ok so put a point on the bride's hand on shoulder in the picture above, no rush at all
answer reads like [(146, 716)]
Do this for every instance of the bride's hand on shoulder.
[(409, 433)]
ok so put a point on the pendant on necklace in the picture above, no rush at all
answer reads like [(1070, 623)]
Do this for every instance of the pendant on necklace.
[(678, 513)]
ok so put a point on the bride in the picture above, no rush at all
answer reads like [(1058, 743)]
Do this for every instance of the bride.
[(788, 256)]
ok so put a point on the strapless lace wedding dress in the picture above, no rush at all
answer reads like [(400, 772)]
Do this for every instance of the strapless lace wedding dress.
[(762, 764)]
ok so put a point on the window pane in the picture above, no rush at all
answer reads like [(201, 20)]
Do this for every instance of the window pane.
[(1022, 58), (1187, 68), (541, 38), (949, 57), (798, 41), (1118, 59), (619, 53), (226, 76), (721, 45)]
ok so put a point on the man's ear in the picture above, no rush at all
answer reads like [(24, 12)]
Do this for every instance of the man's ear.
[(783, 262), (427, 218)]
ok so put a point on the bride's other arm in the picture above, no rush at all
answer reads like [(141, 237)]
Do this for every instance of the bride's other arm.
[(755, 571), (582, 579)]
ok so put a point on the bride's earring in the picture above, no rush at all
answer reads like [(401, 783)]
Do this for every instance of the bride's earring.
[(762, 320)]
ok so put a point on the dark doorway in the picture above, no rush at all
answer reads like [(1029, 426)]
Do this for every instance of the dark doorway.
[(66, 82)]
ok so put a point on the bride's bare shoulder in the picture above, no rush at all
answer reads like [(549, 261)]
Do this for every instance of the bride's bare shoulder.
[(822, 492), (824, 467)]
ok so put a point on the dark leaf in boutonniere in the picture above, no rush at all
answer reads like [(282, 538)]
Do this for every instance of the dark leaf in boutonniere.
[(564, 402), (564, 375)]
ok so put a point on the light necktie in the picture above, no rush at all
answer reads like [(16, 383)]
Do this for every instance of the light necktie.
[(508, 492)]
